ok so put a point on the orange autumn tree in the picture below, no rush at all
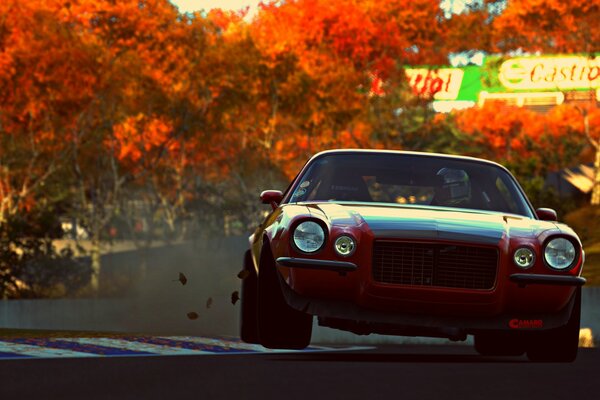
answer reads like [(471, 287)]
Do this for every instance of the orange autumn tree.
[(550, 26), (54, 84), (564, 136), (502, 132), (81, 68), (512, 134), (530, 144), (207, 70), (337, 50), (147, 148), (47, 79)]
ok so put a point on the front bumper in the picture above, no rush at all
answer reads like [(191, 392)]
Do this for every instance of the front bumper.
[(344, 266), (530, 279), (337, 313), (351, 300), (309, 263)]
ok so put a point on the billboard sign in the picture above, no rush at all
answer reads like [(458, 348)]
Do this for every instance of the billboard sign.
[(441, 84), (445, 83), (550, 73)]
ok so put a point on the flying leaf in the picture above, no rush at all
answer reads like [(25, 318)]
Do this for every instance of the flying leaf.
[(192, 315), (209, 302), (235, 296), (243, 274), (182, 279)]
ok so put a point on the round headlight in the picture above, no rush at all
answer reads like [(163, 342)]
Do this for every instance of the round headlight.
[(560, 253), (309, 236), (344, 246), (524, 257)]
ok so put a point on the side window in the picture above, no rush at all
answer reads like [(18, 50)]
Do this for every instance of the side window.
[(306, 190), (310, 183)]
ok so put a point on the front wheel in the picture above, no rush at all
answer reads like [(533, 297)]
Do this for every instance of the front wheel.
[(279, 325), (248, 317), (560, 344)]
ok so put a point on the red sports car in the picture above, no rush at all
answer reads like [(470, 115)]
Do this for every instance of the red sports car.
[(413, 244)]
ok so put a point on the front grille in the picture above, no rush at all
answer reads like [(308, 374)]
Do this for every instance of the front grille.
[(435, 265)]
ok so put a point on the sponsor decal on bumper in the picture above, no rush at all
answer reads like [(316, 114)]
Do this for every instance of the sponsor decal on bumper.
[(525, 323)]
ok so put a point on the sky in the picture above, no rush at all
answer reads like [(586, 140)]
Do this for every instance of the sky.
[(194, 5), (449, 6)]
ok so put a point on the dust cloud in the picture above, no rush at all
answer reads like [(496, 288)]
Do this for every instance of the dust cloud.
[(157, 300)]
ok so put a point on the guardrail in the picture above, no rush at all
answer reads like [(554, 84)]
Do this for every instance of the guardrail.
[(159, 315)]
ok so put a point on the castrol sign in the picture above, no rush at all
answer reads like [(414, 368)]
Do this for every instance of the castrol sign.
[(441, 84), (550, 73)]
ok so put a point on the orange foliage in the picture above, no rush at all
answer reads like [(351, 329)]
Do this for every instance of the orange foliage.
[(508, 133), (594, 122), (139, 140), (503, 130), (553, 26), (327, 61), (367, 33)]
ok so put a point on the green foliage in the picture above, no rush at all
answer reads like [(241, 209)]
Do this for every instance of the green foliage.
[(30, 264), (567, 149), (489, 74)]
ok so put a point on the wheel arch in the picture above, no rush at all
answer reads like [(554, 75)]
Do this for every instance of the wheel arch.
[(254, 255), (265, 251)]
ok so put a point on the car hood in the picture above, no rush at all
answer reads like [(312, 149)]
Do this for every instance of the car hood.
[(431, 223)]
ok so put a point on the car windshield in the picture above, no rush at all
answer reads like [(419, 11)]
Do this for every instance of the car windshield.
[(411, 180)]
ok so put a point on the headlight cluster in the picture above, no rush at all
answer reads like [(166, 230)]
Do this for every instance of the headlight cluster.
[(309, 237), (524, 257), (344, 246), (559, 254)]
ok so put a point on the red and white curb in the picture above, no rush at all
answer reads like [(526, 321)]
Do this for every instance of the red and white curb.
[(131, 346)]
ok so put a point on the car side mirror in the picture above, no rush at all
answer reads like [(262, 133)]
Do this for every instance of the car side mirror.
[(546, 214), (272, 197)]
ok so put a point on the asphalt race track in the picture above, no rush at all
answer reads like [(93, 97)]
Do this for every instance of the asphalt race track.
[(214, 368)]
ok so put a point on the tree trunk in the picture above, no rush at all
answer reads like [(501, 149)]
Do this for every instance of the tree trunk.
[(96, 266), (596, 188), (596, 145)]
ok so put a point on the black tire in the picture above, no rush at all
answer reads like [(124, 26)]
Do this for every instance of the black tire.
[(248, 313), (499, 344), (279, 325), (560, 344)]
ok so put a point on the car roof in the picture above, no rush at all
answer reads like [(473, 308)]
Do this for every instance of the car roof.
[(414, 153), (403, 152)]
